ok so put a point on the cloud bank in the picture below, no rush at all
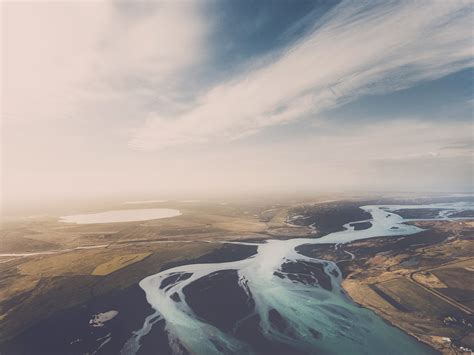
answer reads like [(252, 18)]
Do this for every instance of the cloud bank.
[(358, 48), (65, 60), (83, 82)]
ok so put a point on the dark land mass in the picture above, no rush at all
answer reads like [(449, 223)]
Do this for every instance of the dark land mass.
[(330, 217), (174, 279), (219, 300), (68, 331), (226, 253), (418, 213), (361, 225), (463, 214), (308, 273), (157, 338), (249, 331)]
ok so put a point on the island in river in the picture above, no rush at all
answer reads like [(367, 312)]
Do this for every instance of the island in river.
[(245, 277)]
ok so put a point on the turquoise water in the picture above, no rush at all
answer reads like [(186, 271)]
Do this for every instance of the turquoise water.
[(341, 325)]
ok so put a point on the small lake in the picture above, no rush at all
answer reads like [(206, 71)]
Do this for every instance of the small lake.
[(133, 215)]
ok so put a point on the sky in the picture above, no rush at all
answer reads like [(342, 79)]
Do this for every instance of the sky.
[(196, 98)]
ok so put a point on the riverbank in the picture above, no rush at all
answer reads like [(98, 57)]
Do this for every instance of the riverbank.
[(421, 283)]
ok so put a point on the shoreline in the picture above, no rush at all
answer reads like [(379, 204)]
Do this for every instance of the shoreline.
[(386, 319)]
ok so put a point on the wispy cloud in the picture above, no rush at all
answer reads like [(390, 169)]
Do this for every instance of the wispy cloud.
[(85, 59), (358, 48), (83, 81)]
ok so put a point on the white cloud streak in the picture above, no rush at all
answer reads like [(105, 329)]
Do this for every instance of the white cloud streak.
[(359, 48), (61, 60)]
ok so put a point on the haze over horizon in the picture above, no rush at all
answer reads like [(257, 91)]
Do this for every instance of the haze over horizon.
[(219, 97)]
